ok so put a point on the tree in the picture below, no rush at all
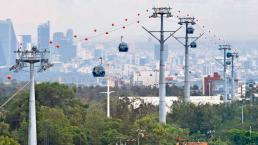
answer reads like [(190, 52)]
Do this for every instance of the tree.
[(218, 142), (112, 132), (7, 141), (243, 137), (95, 123), (4, 129), (54, 95), (54, 126), (156, 133)]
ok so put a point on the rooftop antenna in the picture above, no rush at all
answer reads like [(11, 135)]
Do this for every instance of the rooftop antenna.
[(28, 58)]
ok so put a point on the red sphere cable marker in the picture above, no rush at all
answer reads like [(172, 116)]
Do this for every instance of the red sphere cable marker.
[(9, 77), (57, 46)]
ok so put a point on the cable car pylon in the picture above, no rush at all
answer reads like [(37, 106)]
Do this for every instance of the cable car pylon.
[(162, 12), (189, 30), (225, 48), (233, 55), (31, 57)]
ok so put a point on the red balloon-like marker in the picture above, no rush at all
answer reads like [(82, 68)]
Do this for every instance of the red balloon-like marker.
[(57, 46), (9, 77)]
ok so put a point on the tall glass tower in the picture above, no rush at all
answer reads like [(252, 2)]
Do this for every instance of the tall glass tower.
[(7, 43), (44, 36)]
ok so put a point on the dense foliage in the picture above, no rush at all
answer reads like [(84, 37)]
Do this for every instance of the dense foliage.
[(70, 116)]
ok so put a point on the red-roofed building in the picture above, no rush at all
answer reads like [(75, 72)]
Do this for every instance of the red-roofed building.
[(209, 83)]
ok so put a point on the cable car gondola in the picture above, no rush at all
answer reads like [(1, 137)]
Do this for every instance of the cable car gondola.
[(99, 71), (229, 54), (228, 62), (123, 47), (193, 45), (190, 30)]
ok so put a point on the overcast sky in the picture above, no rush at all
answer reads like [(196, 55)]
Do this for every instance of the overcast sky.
[(231, 19)]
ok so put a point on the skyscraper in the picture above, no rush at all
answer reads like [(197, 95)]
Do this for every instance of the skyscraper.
[(67, 49), (57, 37), (69, 34), (44, 35), (25, 41), (7, 42)]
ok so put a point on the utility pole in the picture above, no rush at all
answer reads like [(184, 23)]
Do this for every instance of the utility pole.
[(242, 113), (108, 91), (188, 22), (31, 57), (162, 12), (225, 48)]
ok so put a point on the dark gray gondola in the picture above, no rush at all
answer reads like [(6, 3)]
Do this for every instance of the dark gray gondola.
[(193, 45), (228, 62), (229, 54), (98, 71), (123, 47), (190, 30)]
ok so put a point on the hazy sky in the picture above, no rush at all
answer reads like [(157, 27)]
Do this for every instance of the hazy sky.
[(231, 19)]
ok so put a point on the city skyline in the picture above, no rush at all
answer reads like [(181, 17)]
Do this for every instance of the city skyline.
[(173, 72), (229, 19)]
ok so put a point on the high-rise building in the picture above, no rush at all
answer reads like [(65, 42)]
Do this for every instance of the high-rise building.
[(157, 52), (44, 35), (57, 37), (25, 41), (8, 42), (67, 49), (69, 34)]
